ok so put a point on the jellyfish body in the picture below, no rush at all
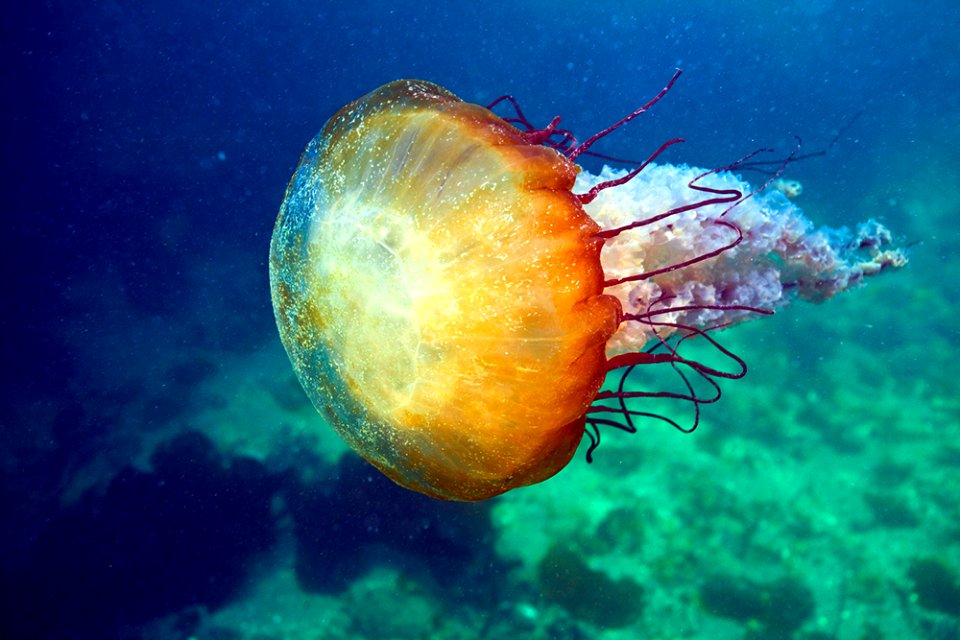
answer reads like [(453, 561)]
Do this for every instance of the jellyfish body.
[(451, 309), (438, 289)]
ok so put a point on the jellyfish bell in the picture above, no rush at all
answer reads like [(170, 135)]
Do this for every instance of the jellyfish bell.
[(452, 309), (439, 291)]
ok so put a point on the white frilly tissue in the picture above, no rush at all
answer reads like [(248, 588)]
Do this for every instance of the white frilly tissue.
[(781, 256)]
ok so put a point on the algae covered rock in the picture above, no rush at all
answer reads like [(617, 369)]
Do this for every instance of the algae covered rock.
[(936, 585), (780, 606), (587, 594)]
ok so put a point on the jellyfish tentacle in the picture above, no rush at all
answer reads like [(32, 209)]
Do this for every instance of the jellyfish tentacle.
[(629, 361), (721, 196), (536, 135), (590, 196), (567, 144), (646, 275), (586, 144), (733, 197), (760, 166), (540, 136)]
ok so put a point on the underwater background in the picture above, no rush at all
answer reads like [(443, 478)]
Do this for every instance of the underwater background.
[(164, 475)]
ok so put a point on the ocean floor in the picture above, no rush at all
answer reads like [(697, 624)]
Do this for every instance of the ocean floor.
[(817, 500)]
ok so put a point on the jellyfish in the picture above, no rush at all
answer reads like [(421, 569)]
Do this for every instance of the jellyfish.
[(452, 290)]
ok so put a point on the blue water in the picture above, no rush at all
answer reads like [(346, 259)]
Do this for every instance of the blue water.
[(164, 477)]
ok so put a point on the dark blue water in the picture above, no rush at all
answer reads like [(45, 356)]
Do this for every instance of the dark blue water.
[(164, 477)]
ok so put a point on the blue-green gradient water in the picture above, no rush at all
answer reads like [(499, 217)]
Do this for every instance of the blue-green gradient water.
[(164, 476)]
